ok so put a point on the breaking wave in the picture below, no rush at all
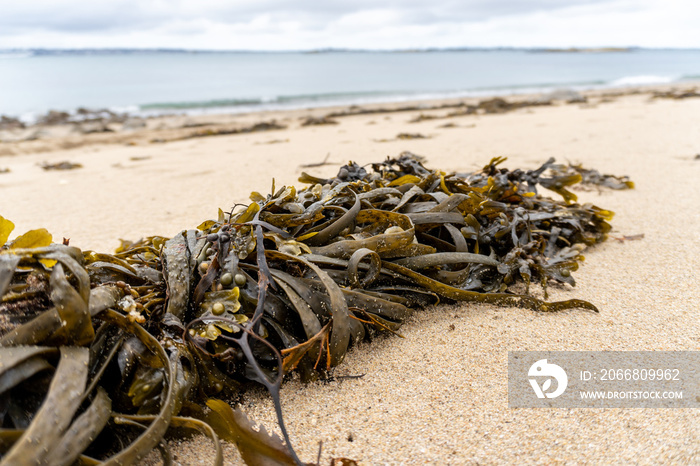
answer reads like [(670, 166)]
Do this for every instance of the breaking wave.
[(642, 80)]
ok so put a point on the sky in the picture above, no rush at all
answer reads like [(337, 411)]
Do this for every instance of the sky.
[(358, 24)]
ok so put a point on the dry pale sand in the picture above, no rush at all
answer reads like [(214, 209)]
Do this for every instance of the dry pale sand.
[(439, 395)]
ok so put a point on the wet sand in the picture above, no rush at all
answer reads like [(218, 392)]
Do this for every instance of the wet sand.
[(439, 395)]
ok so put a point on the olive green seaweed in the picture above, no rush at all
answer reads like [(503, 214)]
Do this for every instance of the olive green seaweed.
[(102, 354)]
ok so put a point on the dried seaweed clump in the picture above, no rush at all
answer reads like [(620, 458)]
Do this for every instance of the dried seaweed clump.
[(101, 354), (592, 177), (676, 94)]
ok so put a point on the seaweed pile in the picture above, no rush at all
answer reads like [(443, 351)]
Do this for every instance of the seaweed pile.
[(101, 354)]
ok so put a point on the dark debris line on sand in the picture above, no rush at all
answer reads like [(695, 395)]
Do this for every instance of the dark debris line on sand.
[(144, 338)]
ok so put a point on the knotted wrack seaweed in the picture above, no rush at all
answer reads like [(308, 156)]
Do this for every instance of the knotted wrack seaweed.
[(100, 354)]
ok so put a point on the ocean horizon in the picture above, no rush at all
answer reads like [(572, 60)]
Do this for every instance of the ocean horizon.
[(151, 82)]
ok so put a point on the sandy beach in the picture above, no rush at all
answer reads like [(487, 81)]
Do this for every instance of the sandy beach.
[(439, 395)]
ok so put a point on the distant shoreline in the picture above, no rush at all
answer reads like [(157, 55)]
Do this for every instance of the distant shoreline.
[(233, 106), (99, 127), (590, 50), (39, 51)]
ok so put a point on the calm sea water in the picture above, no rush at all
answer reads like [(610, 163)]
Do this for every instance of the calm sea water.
[(162, 82)]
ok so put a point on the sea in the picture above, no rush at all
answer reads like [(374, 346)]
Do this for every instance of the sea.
[(155, 82)]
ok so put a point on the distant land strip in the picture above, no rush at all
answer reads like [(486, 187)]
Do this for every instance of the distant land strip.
[(124, 51)]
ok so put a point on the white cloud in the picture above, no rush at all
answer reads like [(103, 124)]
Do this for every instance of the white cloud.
[(305, 24)]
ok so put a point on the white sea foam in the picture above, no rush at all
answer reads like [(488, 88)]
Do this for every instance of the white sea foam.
[(642, 80)]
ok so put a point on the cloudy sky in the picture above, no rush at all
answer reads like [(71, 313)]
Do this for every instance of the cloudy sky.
[(371, 24)]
